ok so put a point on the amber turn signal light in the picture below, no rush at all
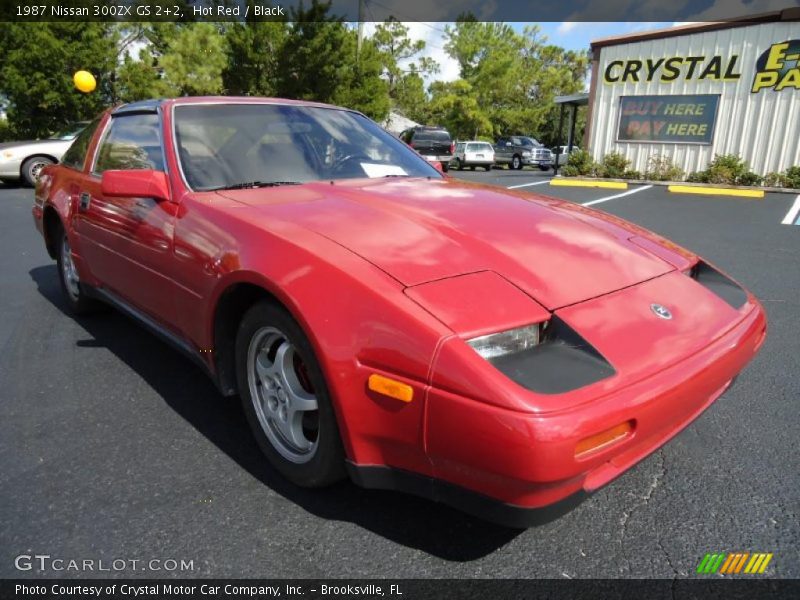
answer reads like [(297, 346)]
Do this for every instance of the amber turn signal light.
[(390, 387), (602, 440)]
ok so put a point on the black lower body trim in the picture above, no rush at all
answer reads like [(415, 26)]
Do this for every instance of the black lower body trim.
[(473, 503), (154, 327)]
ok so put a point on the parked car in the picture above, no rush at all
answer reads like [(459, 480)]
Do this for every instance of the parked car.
[(561, 153), (473, 154), (433, 143), (499, 351), (518, 151), (25, 160)]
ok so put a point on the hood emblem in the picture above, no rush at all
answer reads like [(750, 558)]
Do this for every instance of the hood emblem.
[(661, 311)]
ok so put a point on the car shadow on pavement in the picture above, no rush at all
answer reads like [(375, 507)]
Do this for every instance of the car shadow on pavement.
[(414, 522)]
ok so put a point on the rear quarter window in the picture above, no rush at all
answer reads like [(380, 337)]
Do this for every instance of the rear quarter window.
[(75, 156)]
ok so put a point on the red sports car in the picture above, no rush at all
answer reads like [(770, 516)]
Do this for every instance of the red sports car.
[(502, 352)]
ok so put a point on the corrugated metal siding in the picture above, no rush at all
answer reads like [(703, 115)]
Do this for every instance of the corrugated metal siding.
[(762, 128)]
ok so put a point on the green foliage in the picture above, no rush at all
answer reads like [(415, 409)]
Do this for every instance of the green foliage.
[(632, 174), (697, 177), (318, 61), (38, 61), (194, 61), (507, 84), (613, 165), (661, 168), (790, 178), (512, 78), (5, 131), (727, 169), (253, 63), (580, 162)]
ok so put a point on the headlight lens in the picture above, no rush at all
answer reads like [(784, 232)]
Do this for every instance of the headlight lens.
[(7, 154), (526, 154), (506, 342)]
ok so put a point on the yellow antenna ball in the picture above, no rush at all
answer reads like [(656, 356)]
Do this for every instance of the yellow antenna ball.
[(84, 81)]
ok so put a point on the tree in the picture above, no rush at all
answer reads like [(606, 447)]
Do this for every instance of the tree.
[(39, 60), (410, 97), (318, 62), (455, 105), (395, 47), (194, 60), (513, 76), (253, 52)]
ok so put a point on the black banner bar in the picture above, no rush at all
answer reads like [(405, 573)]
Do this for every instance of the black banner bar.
[(400, 589), (402, 10)]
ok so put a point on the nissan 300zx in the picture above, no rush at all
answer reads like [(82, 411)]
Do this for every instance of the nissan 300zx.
[(502, 352)]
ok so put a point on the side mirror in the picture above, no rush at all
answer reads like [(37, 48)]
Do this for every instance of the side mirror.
[(139, 183)]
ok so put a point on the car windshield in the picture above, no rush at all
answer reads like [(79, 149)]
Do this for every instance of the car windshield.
[(70, 132), (243, 145), (526, 141)]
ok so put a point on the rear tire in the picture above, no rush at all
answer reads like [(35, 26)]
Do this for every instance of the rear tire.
[(32, 167), (286, 399), (75, 292), (472, 167), (488, 167), (459, 165)]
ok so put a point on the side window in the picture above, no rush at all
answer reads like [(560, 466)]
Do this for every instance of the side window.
[(131, 142), (75, 156)]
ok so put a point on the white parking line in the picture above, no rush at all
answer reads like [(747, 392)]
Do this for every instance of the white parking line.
[(513, 187), (607, 198), (791, 216)]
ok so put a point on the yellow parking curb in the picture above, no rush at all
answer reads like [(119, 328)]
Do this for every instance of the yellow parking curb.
[(715, 191), (614, 185)]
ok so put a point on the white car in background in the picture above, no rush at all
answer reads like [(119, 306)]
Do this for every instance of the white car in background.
[(25, 160), (473, 154), (563, 153)]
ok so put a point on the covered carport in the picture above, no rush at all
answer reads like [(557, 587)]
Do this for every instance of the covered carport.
[(571, 103)]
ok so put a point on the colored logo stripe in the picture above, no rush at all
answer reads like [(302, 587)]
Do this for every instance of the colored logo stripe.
[(734, 563)]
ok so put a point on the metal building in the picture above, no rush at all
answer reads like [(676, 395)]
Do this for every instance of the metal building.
[(694, 91)]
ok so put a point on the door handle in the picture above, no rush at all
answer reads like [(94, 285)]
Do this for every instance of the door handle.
[(85, 201)]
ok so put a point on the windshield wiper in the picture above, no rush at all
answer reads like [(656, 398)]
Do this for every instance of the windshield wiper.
[(252, 184)]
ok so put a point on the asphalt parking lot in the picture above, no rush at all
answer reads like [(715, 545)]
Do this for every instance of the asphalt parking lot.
[(112, 445)]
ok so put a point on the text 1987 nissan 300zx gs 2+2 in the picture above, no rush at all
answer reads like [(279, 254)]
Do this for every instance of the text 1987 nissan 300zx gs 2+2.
[(498, 351)]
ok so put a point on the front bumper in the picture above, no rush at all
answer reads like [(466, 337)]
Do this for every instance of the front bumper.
[(537, 162), (520, 468)]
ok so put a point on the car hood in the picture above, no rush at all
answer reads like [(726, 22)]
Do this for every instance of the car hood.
[(419, 230)]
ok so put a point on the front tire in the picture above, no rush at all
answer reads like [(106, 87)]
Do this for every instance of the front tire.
[(544, 168), (32, 168), (285, 398), (516, 163), (74, 291)]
